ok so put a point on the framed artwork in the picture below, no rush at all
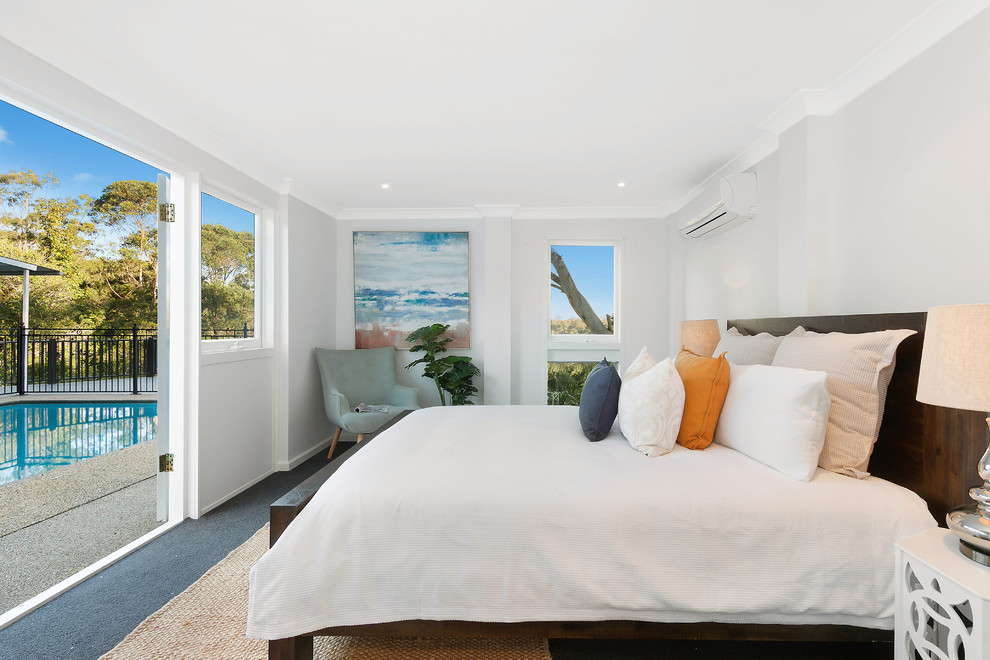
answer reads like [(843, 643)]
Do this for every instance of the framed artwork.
[(404, 280)]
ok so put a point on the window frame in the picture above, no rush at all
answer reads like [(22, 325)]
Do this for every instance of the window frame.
[(261, 264), (586, 342)]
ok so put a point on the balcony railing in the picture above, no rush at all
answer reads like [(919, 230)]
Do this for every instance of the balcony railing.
[(85, 359), (236, 333), (78, 360)]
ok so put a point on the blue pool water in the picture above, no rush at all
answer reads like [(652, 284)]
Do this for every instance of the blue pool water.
[(35, 437)]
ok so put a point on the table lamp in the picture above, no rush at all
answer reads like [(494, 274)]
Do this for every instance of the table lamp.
[(955, 373), (700, 337)]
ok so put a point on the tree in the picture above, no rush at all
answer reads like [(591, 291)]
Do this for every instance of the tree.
[(562, 281), (17, 196), (227, 278), (227, 256), (130, 274), (50, 232), (129, 208)]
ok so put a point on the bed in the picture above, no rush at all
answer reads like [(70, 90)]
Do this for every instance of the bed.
[(551, 598)]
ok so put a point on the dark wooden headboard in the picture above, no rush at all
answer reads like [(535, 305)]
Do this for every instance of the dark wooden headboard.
[(929, 449)]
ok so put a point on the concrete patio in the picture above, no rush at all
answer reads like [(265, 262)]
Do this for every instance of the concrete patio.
[(56, 523)]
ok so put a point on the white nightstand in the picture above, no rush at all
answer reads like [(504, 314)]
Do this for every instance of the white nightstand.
[(941, 600)]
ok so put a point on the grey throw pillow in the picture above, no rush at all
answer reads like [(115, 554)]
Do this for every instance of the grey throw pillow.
[(599, 401)]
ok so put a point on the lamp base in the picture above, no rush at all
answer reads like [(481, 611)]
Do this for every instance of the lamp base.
[(973, 531), (974, 553)]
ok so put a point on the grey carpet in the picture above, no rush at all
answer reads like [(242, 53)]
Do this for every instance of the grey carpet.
[(92, 618)]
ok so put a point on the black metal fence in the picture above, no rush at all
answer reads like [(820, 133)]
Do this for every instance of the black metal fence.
[(78, 360), (238, 333)]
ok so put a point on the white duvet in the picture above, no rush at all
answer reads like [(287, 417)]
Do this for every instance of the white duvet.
[(507, 513)]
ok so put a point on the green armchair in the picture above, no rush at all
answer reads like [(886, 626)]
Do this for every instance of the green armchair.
[(353, 377)]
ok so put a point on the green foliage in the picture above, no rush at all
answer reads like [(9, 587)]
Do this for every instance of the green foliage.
[(227, 256), (458, 380), (226, 307), (565, 381), (50, 232), (227, 279), (453, 374), (130, 272), (571, 326), (109, 285)]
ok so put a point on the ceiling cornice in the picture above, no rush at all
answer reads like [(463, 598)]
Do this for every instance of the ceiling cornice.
[(371, 214), (916, 37), (747, 158), (589, 213), (514, 212), (306, 194), (912, 40)]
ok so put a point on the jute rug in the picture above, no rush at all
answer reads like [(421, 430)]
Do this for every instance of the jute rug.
[(208, 620)]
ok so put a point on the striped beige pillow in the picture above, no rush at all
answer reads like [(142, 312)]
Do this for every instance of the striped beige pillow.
[(859, 367)]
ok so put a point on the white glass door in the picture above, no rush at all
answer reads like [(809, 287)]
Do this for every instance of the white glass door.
[(165, 215)]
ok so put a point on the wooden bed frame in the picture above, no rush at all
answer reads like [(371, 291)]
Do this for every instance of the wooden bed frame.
[(933, 451)]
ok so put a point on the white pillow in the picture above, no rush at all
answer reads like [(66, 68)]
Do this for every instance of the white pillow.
[(859, 367), (750, 349), (651, 404), (777, 416)]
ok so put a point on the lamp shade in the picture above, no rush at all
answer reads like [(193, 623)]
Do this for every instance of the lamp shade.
[(700, 337), (955, 358)]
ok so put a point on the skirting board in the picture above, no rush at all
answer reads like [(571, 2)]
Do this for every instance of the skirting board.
[(299, 459), (309, 453), (235, 493)]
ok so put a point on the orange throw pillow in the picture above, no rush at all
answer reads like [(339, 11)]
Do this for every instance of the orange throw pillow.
[(706, 382)]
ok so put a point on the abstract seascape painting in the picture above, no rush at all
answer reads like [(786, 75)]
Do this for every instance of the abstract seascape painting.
[(404, 280)]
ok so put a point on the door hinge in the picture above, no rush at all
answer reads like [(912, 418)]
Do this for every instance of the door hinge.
[(166, 213), (165, 463)]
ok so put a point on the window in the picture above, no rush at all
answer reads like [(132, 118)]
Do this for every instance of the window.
[(582, 292), (565, 380), (583, 324), (228, 242)]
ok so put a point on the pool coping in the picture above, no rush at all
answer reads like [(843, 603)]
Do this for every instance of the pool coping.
[(77, 397)]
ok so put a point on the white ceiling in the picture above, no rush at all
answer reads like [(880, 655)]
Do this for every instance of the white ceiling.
[(537, 103)]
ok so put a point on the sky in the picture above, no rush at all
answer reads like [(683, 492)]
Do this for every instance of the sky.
[(82, 166), (593, 270)]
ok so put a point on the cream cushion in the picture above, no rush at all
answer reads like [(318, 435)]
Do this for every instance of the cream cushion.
[(859, 367), (651, 403), (750, 349), (777, 416)]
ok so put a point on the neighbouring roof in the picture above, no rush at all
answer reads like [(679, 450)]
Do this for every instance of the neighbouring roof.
[(10, 266)]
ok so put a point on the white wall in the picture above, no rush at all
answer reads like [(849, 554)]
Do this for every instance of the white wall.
[(734, 273), (643, 293), (236, 421), (910, 209), (882, 207), (311, 297)]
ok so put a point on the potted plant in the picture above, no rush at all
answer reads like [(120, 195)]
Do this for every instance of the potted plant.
[(452, 374)]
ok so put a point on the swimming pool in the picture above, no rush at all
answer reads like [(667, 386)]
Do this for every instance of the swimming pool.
[(35, 437)]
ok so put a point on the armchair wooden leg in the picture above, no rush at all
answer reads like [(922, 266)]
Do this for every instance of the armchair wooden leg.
[(360, 437), (333, 445)]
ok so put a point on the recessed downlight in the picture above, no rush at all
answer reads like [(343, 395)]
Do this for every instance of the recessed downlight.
[(385, 186), (621, 184)]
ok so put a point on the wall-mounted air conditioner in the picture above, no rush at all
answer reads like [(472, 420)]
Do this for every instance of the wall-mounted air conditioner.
[(736, 205)]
